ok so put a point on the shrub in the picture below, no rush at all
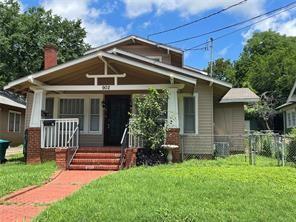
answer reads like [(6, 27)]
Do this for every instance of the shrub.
[(266, 147), (291, 148), (149, 121)]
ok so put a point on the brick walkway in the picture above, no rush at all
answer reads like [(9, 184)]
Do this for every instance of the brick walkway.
[(29, 204)]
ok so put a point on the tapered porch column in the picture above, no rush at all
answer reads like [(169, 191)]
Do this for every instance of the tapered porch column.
[(34, 132), (173, 114), (173, 133)]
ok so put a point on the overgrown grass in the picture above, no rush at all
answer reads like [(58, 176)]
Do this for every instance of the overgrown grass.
[(218, 190), (15, 174)]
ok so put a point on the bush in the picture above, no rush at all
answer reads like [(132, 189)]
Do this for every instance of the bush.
[(291, 148), (149, 121), (151, 157), (266, 147)]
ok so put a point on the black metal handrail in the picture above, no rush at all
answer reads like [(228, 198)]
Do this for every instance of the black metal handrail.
[(123, 144)]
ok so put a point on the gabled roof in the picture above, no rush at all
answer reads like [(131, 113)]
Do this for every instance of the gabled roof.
[(11, 100), (192, 73), (133, 38), (290, 100), (239, 95)]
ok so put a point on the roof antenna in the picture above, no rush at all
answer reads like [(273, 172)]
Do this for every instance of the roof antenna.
[(211, 56)]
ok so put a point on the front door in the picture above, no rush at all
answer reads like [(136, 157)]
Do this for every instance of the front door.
[(116, 118)]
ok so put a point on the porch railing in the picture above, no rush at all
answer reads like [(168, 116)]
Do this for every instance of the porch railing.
[(60, 133), (133, 140)]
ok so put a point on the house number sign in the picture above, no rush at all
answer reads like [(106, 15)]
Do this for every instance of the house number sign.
[(105, 87)]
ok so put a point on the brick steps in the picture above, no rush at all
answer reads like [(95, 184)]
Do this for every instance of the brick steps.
[(94, 167), (96, 158), (95, 161)]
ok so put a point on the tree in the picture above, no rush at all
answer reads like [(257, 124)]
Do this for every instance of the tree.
[(23, 35), (149, 121), (223, 70)]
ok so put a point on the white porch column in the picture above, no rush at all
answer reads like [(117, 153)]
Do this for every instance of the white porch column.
[(173, 114), (38, 106)]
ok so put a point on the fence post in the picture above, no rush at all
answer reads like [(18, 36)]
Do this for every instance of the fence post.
[(283, 151)]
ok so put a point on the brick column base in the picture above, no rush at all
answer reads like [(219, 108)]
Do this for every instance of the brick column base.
[(130, 157), (173, 138), (33, 145), (61, 158)]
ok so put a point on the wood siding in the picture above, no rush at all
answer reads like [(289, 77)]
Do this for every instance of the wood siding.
[(202, 143), (16, 138), (229, 122)]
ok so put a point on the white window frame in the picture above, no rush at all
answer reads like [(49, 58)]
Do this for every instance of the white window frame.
[(159, 58), (289, 118), (86, 113), (181, 112), (14, 120)]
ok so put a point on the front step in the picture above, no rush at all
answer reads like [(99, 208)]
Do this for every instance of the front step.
[(96, 158), (94, 167), (96, 161), (97, 155)]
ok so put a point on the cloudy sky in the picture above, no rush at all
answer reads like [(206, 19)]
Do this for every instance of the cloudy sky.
[(107, 20)]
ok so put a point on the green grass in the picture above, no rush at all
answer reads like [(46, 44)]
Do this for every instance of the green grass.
[(218, 190), (15, 174)]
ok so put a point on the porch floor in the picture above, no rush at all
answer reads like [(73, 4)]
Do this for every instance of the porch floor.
[(96, 158)]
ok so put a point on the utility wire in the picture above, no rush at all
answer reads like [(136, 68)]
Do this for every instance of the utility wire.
[(197, 20), (196, 47), (237, 30), (233, 25)]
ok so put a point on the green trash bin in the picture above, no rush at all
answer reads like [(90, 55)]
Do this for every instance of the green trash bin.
[(4, 144)]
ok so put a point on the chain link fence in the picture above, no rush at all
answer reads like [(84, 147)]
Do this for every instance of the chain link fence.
[(276, 149)]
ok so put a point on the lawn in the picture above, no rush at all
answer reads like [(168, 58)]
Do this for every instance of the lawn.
[(15, 174), (218, 190)]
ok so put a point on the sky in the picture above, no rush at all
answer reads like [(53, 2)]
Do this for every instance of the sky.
[(109, 20)]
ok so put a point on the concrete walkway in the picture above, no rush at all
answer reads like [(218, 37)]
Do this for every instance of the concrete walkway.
[(26, 205)]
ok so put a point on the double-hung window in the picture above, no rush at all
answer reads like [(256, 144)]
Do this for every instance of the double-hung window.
[(49, 108), (94, 115), (189, 115), (72, 108), (14, 121), (291, 119)]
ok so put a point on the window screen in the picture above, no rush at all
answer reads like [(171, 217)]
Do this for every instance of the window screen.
[(94, 115), (49, 108), (72, 108), (189, 115), (14, 122)]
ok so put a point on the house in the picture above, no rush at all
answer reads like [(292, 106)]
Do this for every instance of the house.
[(289, 110), (85, 103), (12, 117)]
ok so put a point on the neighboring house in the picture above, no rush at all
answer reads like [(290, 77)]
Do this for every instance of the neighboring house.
[(289, 110), (12, 118), (98, 89)]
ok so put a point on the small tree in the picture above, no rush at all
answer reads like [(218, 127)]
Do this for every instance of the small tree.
[(149, 120)]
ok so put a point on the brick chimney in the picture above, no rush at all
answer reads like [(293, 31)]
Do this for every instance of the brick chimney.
[(50, 56)]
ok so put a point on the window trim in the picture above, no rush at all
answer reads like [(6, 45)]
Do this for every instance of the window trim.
[(291, 123), (20, 123), (181, 113), (86, 113)]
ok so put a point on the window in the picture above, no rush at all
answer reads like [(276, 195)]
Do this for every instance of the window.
[(49, 108), (189, 114), (291, 119), (155, 58), (94, 115), (14, 121), (72, 108)]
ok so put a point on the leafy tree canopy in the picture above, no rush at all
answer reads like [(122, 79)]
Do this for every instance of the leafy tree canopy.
[(266, 65), (23, 36)]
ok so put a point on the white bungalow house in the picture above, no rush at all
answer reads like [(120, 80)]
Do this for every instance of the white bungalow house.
[(87, 101)]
